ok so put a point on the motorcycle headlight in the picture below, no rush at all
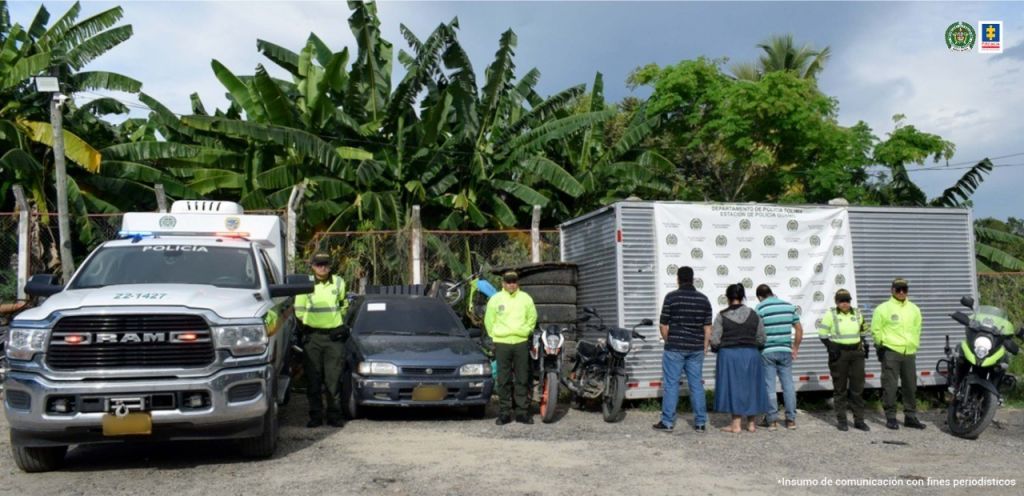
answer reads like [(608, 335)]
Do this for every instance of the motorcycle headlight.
[(23, 344), (377, 368), (619, 346), (552, 341), (244, 340), (982, 346), (475, 369)]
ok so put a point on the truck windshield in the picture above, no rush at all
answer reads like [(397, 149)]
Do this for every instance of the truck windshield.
[(170, 264)]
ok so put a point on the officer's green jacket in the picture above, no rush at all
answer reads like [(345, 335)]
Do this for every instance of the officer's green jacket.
[(510, 317), (325, 307), (842, 328), (896, 325)]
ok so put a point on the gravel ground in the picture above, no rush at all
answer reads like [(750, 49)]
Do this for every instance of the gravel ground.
[(427, 452)]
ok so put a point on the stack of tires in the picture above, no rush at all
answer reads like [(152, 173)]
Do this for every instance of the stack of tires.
[(553, 289)]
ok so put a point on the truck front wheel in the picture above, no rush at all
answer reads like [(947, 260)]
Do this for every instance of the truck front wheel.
[(38, 459), (263, 446)]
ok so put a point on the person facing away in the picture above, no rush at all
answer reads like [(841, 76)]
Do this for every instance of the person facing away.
[(737, 334), (686, 330), (781, 349)]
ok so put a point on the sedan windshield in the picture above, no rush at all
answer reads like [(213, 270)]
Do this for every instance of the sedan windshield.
[(170, 264), (407, 316)]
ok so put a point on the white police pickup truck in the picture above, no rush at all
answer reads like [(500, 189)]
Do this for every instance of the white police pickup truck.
[(178, 330)]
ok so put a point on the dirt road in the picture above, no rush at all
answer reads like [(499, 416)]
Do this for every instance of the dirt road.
[(430, 452)]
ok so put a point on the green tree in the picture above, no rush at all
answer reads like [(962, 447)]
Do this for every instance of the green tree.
[(782, 55)]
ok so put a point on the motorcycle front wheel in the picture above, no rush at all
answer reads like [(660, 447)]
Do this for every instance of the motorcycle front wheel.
[(549, 398), (969, 418), (614, 395)]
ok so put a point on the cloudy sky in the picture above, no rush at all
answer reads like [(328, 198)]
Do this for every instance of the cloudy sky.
[(888, 58)]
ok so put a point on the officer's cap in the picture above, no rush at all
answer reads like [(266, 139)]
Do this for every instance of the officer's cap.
[(843, 296), (321, 258), (900, 283), (510, 276)]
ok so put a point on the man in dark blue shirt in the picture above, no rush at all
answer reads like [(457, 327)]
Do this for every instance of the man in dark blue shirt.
[(686, 331)]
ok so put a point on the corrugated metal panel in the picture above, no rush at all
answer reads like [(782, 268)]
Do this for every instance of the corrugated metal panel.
[(639, 297), (589, 243), (931, 248)]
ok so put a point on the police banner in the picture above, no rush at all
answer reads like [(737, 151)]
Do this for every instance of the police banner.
[(803, 253)]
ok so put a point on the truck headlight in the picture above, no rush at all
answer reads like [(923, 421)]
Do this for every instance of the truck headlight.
[(982, 345), (23, 344), (242, 340), (377, 368), (475, 369)]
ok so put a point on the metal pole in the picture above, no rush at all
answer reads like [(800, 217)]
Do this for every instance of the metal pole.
[(24, 250), (535, 235), (161, 199), (298, 193), (67, 263), (417, 246)]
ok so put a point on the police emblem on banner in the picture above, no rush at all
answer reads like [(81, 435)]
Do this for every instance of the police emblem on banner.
[(747, 283), (837, 223), (819, 296), (722, 270), (837, 250), (792, 225), (818, 268), (232, 223), (799, 310), (698, 283), (769, 270), (840, 279), (815, 240), (722, 300), (745, 253), (671, 240), (769, 240), (672, 269), (696, 224), (794, 282), (744, 224), (793, 254), (721, 240), (696, 254), (168, 222)]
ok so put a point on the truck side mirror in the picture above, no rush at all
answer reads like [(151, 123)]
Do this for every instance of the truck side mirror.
[(294, 285), (43, 285), (967, 301)]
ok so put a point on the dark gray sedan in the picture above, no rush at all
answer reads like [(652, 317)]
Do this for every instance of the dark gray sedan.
[(413, 351)]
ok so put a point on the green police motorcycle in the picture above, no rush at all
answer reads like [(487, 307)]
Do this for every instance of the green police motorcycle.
[(976, 372)]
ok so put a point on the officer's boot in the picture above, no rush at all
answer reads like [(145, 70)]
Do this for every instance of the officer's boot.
[(842, 424)]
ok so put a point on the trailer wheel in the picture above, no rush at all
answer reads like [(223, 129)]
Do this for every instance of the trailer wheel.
[(555, 313), (564, 276)]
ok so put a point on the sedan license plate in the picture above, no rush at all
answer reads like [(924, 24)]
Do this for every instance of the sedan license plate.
[(132, 424), (429, 392)]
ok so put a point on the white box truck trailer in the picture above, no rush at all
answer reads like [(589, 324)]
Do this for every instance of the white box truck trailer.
[(627, 254)]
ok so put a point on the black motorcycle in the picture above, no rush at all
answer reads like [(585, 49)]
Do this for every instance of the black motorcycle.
[(599, 370), (546, 353), (976, 373)]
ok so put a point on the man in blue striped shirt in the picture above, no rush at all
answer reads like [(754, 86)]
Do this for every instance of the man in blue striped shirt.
[(780, 320)]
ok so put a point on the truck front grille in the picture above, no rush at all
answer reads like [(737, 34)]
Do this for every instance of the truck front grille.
[(130, 341)]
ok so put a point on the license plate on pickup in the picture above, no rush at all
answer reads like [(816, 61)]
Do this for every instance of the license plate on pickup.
[(132, 424), (429, 392)]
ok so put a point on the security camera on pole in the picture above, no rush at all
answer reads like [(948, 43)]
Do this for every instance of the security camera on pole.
[(49, 84)]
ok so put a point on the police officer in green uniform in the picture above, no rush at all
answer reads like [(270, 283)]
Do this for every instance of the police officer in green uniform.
[(896, 331), (322, 314), (844, 332), (510, 319)]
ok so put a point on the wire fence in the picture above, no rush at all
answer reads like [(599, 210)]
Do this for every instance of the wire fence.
[(385, 257)]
